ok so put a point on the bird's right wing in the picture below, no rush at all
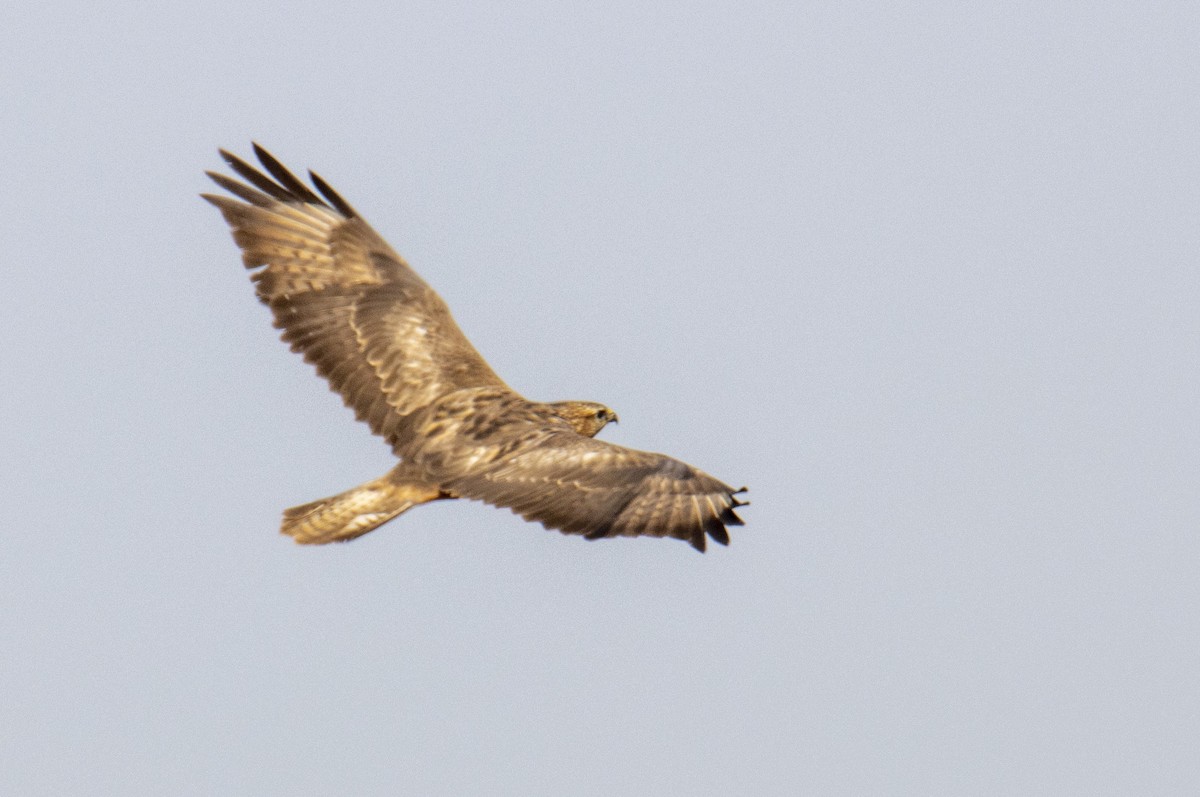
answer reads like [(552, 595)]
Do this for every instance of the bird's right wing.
[(576, 484)]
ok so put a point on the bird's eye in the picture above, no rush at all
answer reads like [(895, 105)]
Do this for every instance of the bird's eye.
[(601, 414)]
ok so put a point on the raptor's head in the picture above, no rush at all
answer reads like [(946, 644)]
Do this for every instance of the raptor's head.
[(587, 417)]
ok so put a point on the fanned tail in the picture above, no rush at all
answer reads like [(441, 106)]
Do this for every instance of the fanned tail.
[(361, 509)]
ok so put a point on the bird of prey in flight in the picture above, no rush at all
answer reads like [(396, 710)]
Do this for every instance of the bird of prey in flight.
[(386, 342)]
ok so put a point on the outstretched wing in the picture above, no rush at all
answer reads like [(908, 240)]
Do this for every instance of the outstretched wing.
[(343, 298), (580, 485)]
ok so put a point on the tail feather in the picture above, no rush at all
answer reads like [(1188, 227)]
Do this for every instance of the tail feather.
[(353, 513), (334, 520)]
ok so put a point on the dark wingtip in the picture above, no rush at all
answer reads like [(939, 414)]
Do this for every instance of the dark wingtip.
[(261, 153), (334, 197), (268, 188), (735, 501), (281, 173), (716, 530)]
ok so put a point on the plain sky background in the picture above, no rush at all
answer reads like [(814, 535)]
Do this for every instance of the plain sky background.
[(923, 276)]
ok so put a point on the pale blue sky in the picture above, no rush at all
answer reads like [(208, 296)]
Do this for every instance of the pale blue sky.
[(924, 276)]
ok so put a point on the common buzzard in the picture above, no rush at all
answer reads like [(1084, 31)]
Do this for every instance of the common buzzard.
[(387, 343)]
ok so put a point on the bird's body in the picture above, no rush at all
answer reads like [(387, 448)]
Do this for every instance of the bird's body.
[(387, 343)]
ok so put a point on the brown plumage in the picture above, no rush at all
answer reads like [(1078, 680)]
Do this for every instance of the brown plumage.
[(387, 343)]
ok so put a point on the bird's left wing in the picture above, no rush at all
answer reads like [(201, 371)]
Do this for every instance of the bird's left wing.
[(343, 298)]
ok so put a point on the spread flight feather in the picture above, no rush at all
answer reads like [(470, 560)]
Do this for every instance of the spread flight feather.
[(386, 342)]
